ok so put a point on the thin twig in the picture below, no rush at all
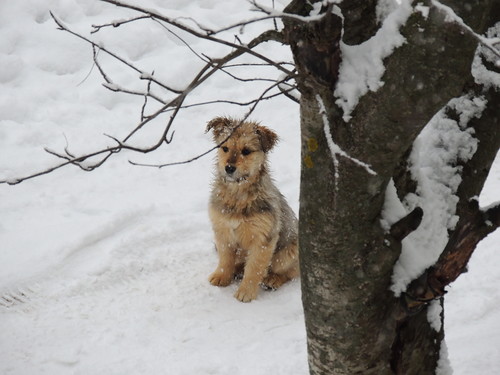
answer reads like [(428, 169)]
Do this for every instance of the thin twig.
[(257, 64), (104, 49), (87, 76), (146, 98), (243, 104), (201, 57), (115, 24), (274, 21), (110, 85)]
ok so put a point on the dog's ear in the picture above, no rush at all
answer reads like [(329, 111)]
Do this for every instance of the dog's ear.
[(267, 137), (219, 125)]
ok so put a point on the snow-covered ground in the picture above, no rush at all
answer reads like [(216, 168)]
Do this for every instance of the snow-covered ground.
[(106, 272)]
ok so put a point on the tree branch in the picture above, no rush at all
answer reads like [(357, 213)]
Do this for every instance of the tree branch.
[(199, 156), (115, 56), (268, 35), (286, 92), (115, 24), (110, 85), (454, 259), (453, 17), (406, 225), (175, 105)]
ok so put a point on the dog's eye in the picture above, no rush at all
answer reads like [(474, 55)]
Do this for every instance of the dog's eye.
[(246, 151), (225, 149)]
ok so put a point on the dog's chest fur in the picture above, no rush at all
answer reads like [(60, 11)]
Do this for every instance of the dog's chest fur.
[(242, 199), (245, 210)]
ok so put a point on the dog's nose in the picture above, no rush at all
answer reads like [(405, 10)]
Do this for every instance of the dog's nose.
[(230, 169)]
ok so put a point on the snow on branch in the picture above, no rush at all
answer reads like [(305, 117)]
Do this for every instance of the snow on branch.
[(437, 155), (491, 215), (484, 75), (334, 148), (431, 284), (363, 66), (451, 16)]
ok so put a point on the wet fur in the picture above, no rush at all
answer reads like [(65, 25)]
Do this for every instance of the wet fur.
[(255, 228)]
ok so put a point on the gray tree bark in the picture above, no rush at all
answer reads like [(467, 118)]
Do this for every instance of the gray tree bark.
[(355, 325)]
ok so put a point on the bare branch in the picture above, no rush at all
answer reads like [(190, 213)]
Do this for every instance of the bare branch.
[(102, 48), (96, 28), (268, 35), (199, 156), (164, 138), (201, 57), (271, 13), (240, 79), (146, 99), (288, 90), (87, 76), (285, 92), (110, 85), (175, 105), (239, 25), (257, 64)]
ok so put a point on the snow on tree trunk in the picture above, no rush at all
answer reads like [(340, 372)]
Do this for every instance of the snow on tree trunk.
[(367, 93)]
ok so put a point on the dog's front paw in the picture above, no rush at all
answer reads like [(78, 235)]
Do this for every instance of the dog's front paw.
[(246, 294), (219, 278)]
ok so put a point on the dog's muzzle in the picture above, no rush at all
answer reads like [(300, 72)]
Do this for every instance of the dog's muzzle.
[(230, 169), (231, 176)]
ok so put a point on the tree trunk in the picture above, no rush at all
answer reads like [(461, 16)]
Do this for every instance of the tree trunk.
[(355, 324)]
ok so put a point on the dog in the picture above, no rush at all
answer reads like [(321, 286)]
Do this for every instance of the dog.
[(256, 231)]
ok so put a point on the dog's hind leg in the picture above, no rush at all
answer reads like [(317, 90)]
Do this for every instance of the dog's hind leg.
[(286, 260), (284, 267)]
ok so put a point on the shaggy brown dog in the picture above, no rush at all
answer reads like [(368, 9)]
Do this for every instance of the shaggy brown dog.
[(255, 228)]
